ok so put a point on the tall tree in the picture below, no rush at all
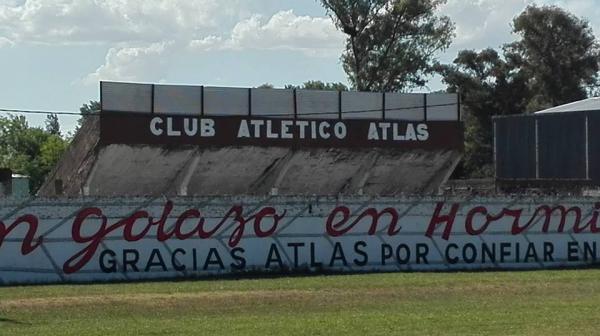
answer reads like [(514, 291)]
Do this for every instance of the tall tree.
[(52, 124), (86, 110), (489, 85), (31, 151), (391, 44), (265, 86), (554, 61), (559, 52), (319, 85)]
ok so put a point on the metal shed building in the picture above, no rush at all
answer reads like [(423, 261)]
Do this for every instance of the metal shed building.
[(552, 147)]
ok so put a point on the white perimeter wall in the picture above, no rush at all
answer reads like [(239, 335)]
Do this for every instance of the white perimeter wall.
[(487, 233)]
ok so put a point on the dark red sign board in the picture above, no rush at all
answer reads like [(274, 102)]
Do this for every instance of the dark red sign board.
[(220, 131)]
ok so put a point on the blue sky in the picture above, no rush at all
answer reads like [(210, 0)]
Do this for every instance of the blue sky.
[(54, 52)]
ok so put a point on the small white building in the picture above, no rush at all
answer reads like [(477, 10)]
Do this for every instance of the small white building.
[(589, 104), (20, 186), (15, 186)]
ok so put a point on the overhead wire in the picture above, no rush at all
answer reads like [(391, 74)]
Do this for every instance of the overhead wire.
[(42, 112), (26, 111)]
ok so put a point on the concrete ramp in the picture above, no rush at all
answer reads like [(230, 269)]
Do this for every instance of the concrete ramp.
[(69, 176)]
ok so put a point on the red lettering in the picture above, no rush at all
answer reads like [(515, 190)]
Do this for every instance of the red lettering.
[(563, 216), (592, 223), (238, 231), (438, 219), (469, 221), (161, 222), (191, 213), (77, 261), (333, 229), (375, 219), (547, 215), (128, 226), (516, 214), (93, 241), (266, 212), (29, 243)]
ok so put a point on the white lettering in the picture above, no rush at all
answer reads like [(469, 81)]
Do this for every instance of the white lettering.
[(339, 129), (302, 124), (190, 131), (396, 134), (410, 132), (170, 130), (257, 124), (422, 132), (270, 133), (324, 134), (285, 129), (154, 126), (385, 126), (243, 131), (207, 127), (373, 134)]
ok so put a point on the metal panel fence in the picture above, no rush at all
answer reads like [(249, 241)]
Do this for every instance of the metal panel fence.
[(127, 97), (515, 147), (314, 104), (276, 103), (177, 99), (550, 147), (561, 146)]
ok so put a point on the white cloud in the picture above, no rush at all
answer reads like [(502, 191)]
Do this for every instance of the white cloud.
[(125, 22), (285, 30), (488, 23), (140, 34), (137, 33), (145, 63), (4, 42), (483, 23), (208, 43), (314, 36), (587, 9), (67, 22)]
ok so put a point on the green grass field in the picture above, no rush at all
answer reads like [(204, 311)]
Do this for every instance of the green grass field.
[(533, 303)]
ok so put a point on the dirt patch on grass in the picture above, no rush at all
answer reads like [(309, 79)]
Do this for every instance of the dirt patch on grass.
[(150, 298), (11, 321), (284, 296)]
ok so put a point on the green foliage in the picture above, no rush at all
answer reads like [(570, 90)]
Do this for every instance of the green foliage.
[(91, 108), (489, 85), (319, 85), (52, 124), (86, 110), (391, 44), (558, 52), (554, 62), (265, 86), (29, 150), (51, 150)]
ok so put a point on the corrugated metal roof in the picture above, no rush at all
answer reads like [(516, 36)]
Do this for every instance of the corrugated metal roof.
[(589, 104)]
